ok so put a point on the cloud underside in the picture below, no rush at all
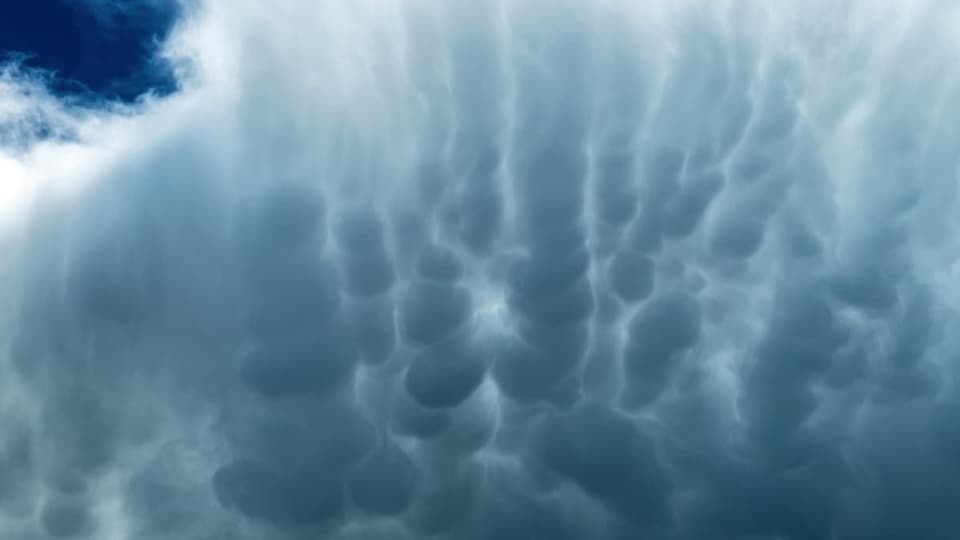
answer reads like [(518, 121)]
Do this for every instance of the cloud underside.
[(491, 270)]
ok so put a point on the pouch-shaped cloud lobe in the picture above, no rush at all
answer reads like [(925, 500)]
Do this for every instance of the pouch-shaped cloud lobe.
[(491, 270)]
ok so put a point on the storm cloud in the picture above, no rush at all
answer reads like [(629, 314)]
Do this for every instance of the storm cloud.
[(496, 269)]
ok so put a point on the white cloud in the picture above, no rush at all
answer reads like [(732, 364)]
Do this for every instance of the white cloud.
[(411, 267)]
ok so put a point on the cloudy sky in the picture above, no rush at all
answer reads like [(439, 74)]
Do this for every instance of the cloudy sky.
[(479, 269)]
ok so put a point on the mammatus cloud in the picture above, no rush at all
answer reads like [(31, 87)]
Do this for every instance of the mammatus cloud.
[(491, 270)]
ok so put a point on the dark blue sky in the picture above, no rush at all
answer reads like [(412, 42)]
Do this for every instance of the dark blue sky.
[(103, 54)]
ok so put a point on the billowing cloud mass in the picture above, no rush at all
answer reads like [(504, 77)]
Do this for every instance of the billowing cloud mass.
[(491, 270)]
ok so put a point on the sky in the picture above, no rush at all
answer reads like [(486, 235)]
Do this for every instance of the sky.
[(91, 49), (479, 270)]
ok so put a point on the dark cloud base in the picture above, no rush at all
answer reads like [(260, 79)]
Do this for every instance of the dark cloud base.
[(595, 303)]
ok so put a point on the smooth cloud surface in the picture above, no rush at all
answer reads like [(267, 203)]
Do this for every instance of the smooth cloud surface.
[(491, 270)]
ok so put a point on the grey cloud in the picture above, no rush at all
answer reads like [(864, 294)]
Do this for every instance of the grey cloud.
[(493, 271)]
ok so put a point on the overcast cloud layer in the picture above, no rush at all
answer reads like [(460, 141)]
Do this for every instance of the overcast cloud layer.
[(409, 269)]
